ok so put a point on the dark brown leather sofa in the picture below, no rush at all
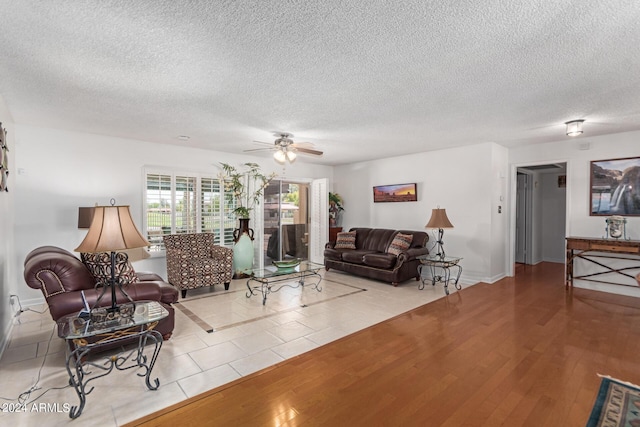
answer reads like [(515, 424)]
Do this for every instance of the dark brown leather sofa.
[(370, 258), (61, 276)]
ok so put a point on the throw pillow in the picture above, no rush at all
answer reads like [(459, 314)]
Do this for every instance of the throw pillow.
[(99, 265), (400, 243), (346, 240)]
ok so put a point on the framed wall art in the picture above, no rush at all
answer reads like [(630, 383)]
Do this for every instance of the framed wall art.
[(395, 193), (615, 187)]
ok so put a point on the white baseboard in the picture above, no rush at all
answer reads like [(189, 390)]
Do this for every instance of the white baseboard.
[(471, 278), (4, 339)]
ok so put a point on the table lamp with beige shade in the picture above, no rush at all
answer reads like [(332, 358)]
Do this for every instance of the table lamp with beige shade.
[(112, 230), (440, 221)]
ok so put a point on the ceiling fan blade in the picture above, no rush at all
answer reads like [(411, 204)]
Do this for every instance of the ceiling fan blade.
[(262, 142), (309, 151), (258, 149), (302, 144)]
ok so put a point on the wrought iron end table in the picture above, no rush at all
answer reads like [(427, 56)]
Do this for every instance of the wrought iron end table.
[(85, 336), (439, 264)]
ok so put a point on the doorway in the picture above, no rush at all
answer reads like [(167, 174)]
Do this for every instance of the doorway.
[(540, 216), (286, 221)]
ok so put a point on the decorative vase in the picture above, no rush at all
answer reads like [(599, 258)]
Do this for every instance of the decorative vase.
[(616, 227), (242, 250)]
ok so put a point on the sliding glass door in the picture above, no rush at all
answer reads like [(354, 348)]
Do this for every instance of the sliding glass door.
[(286, 221)]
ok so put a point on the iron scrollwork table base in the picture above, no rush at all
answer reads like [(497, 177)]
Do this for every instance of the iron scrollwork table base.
[(266, 278), (83, 369), (440, 269)]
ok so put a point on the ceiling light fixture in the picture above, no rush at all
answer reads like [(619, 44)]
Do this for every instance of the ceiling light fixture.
[(574, 127), (279, 156), (282, 155)]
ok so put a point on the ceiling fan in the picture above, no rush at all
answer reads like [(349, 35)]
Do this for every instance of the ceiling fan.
[(285, 149)]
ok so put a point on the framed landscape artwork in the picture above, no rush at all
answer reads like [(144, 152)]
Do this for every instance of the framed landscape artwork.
[(395, 193), (615, 187)]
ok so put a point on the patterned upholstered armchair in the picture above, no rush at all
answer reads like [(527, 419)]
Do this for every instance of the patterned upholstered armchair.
[(193, 261)]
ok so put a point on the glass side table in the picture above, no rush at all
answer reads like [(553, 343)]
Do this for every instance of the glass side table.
[(85, 335), (437, 264)]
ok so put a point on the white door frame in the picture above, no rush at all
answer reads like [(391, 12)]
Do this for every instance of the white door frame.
[(513, 182)]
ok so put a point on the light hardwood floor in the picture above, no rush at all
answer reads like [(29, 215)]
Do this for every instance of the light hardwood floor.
[(520, 352)]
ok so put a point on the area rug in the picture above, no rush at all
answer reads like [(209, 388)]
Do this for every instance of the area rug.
[(617, 405)]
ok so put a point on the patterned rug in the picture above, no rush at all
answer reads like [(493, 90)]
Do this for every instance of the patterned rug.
[(617, 405)]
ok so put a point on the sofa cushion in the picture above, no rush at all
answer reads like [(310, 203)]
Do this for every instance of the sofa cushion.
[(346, 240), (400, 243), (376, 240), (379, 260), (355, 256), (99, 264)]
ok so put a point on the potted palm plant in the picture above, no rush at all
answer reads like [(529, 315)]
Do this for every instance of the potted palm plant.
[(335, 209), (247, 186)]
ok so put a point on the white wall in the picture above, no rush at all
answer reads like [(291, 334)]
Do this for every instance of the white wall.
[(58, 171), (8, 274), (499, 213), (578, 222), (466, 181)]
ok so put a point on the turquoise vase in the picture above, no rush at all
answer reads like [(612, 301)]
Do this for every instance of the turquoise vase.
[(242, 250)]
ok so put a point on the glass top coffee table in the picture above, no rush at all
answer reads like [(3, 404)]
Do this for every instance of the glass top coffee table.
[(266, 278)]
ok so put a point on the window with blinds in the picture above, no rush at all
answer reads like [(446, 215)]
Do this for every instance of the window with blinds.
[(183, 203), (185, 209)]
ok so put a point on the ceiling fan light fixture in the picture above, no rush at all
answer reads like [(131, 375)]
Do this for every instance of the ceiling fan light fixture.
[(574, 127), (291, 156), (279, 156)]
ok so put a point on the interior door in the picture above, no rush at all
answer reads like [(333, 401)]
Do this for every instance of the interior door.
[(522, 212)]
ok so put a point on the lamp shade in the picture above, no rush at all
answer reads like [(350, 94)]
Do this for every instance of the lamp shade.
[(112, 229), (439, 219), (137, 254)]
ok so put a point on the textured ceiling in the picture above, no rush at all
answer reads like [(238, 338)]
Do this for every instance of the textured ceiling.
[(359, 79)]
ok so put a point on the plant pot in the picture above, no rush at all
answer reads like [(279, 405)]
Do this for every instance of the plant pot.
[(242, 250)]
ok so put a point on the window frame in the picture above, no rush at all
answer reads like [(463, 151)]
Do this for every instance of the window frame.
[(224, 212)]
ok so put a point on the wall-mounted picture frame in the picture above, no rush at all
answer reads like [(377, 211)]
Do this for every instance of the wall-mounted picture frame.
[(395, 193), (615, 187)]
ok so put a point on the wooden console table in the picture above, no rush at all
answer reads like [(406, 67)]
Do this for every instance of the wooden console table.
[(592, 250)]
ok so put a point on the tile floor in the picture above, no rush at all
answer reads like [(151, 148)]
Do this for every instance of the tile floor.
[(246, 338)]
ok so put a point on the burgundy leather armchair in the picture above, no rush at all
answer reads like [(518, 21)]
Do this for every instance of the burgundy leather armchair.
[(61, 276)]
